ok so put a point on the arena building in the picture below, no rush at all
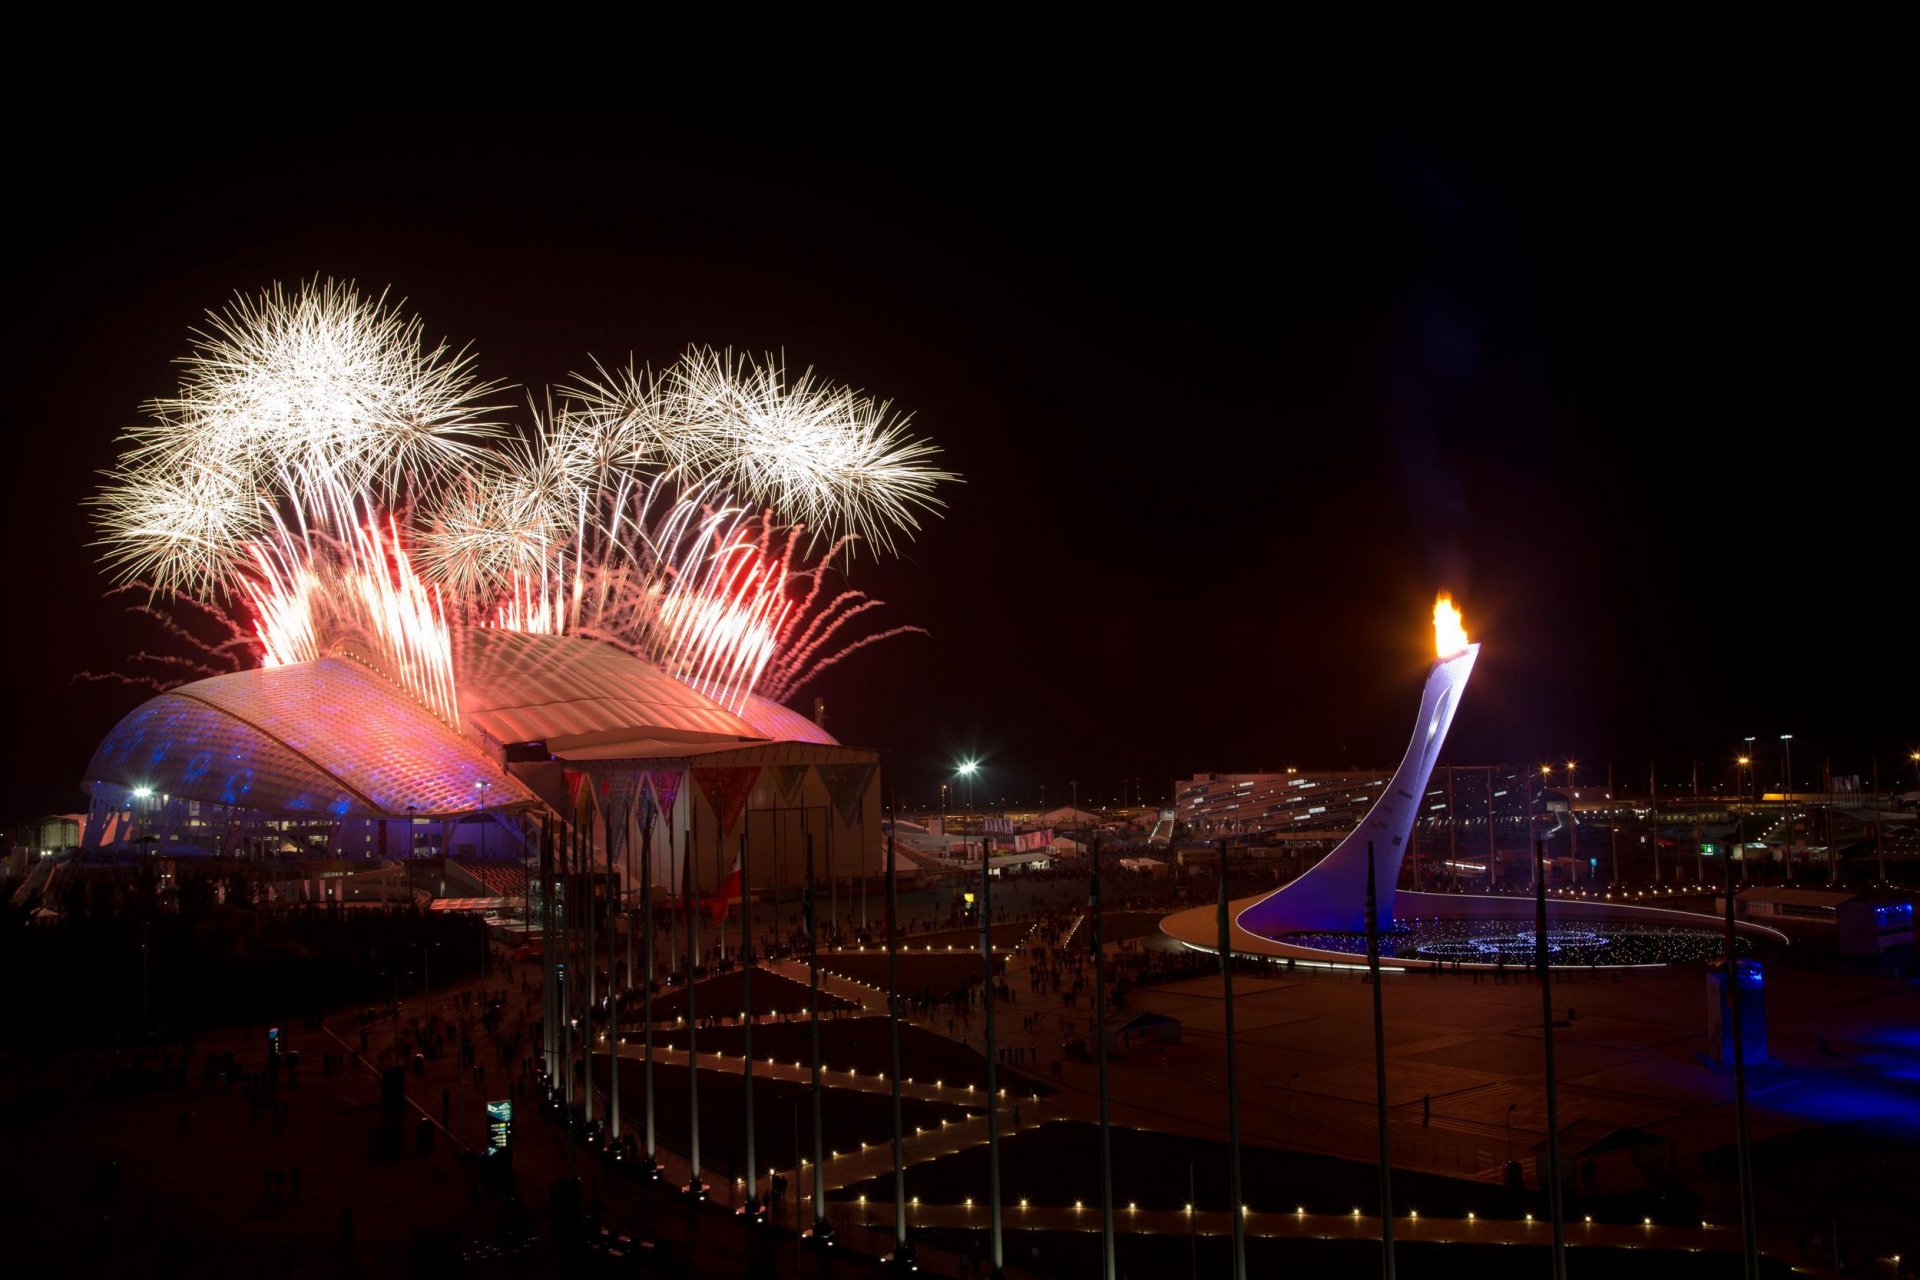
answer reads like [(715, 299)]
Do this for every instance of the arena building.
[(332, 759)]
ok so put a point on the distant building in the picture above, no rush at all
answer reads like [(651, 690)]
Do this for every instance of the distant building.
[(1326, 804)]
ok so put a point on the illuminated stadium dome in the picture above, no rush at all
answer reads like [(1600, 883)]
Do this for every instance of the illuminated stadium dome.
[(329, 758), (461, 620)]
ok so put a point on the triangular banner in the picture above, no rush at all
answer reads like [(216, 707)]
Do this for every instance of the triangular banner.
[(617, 791), (787, 780), (726, 788), (847, 785), (665, 784)]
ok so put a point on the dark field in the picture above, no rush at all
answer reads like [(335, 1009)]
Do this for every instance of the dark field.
[(722, 996), (1077, 1253)]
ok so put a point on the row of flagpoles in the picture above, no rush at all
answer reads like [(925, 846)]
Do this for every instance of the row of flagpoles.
[(565, 853)]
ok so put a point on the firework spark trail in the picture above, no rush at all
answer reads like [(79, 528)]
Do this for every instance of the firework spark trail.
[(723, 631), (316, 399), (821, 455), (312, 594), (409, 619), (621, 516)]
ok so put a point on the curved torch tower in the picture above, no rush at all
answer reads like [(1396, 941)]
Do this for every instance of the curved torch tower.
[(1332, 896)]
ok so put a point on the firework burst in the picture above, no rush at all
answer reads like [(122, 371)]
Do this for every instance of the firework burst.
[(319, 450), (820, 455), (318, 400)]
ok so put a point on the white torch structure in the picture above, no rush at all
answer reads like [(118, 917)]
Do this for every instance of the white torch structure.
[(1331, 896)]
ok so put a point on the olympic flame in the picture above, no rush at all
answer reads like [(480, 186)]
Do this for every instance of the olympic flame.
[(1449, 630)]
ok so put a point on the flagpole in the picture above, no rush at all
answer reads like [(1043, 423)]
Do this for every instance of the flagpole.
[(695, 1188), (752, 1206), (652, 1165), (903, 1252), (1750, 1258), (720, 876), (1233, 1080), (997, 1236), (593, 963), (1379, 1074), (626, 883), (548, 953), (613, 992), (822, 1231), (1100, 1036), (570, 974), (1551, 1182)]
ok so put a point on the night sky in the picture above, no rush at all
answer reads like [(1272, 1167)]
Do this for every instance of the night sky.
[(1245, 346)]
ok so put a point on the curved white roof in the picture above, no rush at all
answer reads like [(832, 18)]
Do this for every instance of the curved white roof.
[(333, 737), (569, 692), (325, 737)]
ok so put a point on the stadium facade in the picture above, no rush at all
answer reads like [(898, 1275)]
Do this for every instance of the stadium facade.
[(331, 759)]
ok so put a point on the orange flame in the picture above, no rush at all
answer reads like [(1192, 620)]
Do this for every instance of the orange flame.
[(1449, 631)]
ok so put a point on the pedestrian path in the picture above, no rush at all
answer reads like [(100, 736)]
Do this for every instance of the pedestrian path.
[(878, 1213), (801, 1072), (877, 1159)]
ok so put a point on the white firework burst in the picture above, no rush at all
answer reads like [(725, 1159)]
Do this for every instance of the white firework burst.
[(316, 399), (819, 455), (179, 528)]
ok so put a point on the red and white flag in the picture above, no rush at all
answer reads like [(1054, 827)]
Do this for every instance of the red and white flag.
[(729, 890)]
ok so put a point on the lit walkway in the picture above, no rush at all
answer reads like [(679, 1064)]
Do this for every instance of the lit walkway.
[(801, 1072), (1015, 1217)]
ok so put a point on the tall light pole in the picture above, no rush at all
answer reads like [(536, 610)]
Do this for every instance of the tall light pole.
[(1786, 785), (1573, 825), (1752, 783), (967, 769), (996, 1238), (1546, 771)]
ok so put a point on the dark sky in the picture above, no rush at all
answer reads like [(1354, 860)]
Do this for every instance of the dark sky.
[(1246, 344)]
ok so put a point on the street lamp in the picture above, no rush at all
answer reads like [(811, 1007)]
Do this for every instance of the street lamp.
[(1751, 780), (1787, 763), (1573, 825), (1546, 771)]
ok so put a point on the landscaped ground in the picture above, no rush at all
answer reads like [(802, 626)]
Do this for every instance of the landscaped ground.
[(722, 996), (932, 976)]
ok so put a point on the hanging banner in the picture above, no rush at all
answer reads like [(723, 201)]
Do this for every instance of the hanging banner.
[(664, 785), (617, 791), (847, 785), (573, 777), (726, 788), (787, 780)]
